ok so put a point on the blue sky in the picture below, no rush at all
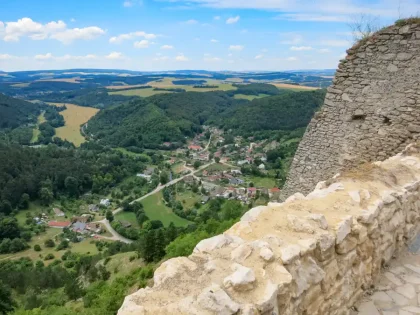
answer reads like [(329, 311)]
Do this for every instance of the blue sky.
[(180, 34)]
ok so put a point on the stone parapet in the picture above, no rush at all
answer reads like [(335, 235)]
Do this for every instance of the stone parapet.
[(371, 112), (313, 254)]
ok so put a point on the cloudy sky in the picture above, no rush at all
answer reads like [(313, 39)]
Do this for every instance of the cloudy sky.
[(184, 34)]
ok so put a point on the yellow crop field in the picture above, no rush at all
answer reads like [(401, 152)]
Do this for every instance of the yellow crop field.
[(74, 116), (139, 92)]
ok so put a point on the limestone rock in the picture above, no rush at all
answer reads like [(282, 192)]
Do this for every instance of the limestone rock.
[(216, 300), (297, 196), (319, 219), (173, 268), (299, 225), (219, 241), (242, 279), (240, 253), (289, 253), (344, 228), (266, 254)]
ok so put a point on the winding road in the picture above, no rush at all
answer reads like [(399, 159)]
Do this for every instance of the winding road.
[(118, 237)]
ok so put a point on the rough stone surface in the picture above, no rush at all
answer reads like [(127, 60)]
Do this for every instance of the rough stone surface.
[(371, 112), (264, 265)]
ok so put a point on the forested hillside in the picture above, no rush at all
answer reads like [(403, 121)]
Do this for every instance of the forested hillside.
[(98, 98), (287, 111), (147, 123), (16, 112)]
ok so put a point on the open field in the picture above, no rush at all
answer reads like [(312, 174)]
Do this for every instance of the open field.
[(74, 116), (167, 83), (121, 87), (294, 87), (139, 92), (127, 216), (249, 97), (126, 152), (156, 210), (120, 264), (188, 199), (83, 247), (36, 132), (68, 80), (266, 182)]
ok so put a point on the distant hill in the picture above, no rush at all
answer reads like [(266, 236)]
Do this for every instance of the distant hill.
[(148, 122), (15, 112), (286, 111)]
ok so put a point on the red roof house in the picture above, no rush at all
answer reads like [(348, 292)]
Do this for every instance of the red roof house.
[(59, 224)]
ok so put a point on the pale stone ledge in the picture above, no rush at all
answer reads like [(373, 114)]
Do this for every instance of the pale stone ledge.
[(310, 255)]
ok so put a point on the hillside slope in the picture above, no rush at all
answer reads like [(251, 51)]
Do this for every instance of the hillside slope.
[(147, 123), (16, 112), (286, 111)]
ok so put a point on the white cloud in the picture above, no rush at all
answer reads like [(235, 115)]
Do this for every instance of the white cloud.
[(190, 22), (214, 40), (236, 47), (26, 27), (181, 57), (292, 59), (129, 36), (336, 43), (77, 58), (301, 48), (291, 38), (216, 18), (115, 56), (131, 3), (323, 50), (331, 8), (71, 35), (166, 47), (160, 58), (233, 20), (144, 43), (208, 58), (302, 17), (7, 57), (257, 57), (47, 56)]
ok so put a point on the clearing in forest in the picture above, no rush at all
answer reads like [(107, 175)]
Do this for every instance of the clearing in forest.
[(74, 116)]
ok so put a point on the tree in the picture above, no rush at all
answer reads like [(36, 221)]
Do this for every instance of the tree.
[(6, 207), (46, 196), (49, 243), (72, 186), (164, 177), (9, 228), (6, 302), (197, 164), (159, 242), (37, 248), (109, 216), (217, 159), (73, 289), (24, 201)]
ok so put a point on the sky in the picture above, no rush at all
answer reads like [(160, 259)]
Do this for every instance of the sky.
[(156, 35)]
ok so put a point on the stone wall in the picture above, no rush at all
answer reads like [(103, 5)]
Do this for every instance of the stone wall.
[(312, 255), (371, 112)]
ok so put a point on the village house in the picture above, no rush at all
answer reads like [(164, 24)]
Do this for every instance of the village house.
[(252, 191), (236, 172), (195, 147), (93, 208), (58, 212), (125, 224), (146, 177), (105, 202), (79, 227), (274, 193), (94, 227), (261, 166), (204, 199), (242, 162), (59, 224), (236, 181)]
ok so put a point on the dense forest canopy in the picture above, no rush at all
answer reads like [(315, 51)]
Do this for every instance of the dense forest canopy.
[(98, 98), (147, 123), (15, 112), (287, 111)]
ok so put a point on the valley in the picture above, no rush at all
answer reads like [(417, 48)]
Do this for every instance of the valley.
[(136, 173)]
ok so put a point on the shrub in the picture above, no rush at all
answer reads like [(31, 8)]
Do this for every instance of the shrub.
[(49, 257), (49, 243), (37, 248)]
